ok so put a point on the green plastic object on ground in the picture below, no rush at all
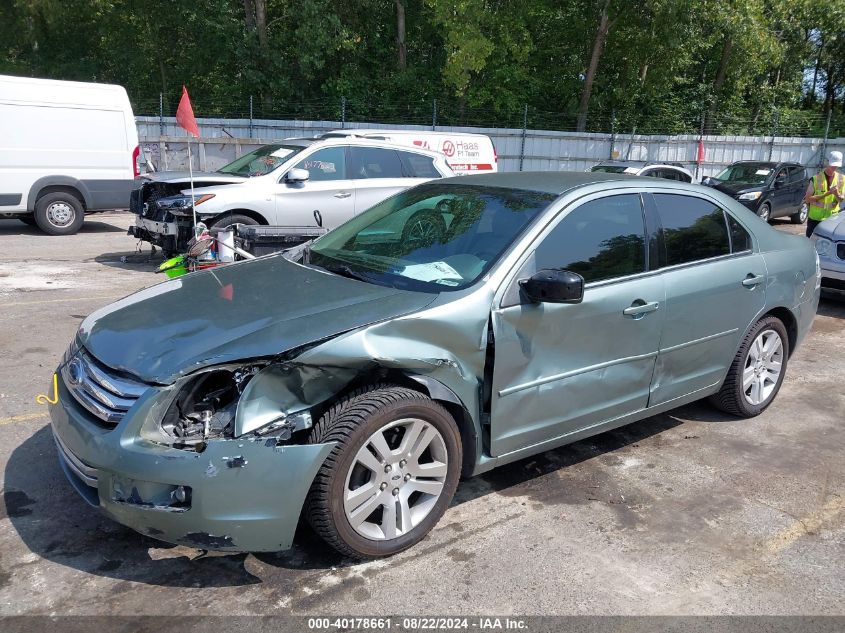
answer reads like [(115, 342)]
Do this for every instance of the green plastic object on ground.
[(174, 267)]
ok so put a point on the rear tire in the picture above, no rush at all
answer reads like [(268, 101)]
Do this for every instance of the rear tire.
[(757, 371), (424, 229), (59, 213), (391, 475), (801, 216)]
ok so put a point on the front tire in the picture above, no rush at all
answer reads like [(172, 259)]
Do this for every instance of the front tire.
[(391, 475), (801, 216), (765, 212), (59, 213), (757, 372), (230, 219)]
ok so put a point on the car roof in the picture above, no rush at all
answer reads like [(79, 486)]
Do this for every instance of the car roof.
[(357, 141), (768, 163), (381, 132), (639, 163), (555, 182)]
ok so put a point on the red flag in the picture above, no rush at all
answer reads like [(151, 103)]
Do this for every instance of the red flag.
[(700, 157), (185, 115)]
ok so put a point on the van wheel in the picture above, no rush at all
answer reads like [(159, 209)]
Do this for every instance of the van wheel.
[(757, 372), (59, 213), (391, 475)]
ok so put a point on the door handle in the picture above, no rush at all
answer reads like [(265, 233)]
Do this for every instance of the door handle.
[(342, 194), (752, 280), (641, 308)]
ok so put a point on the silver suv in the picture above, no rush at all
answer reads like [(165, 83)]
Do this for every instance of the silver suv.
[(289, 183)]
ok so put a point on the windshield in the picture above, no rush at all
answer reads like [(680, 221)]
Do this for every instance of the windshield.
[(261, 161), (746, 173), (431, 238)]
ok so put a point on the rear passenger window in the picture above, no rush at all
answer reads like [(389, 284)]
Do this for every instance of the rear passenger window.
[(601, 239), (740, 239), (693, 228), (373, 162), (418, 166)]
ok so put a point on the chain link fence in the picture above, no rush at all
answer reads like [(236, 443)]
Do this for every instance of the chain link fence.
[(525, 140), (454, 113)]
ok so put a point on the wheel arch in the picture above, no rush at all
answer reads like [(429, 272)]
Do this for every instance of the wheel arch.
[(435, 390), (785, 316), (442, 394), (255, 215), (58, 184)]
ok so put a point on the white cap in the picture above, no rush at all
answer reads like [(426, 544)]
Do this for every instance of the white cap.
[(834, 159)]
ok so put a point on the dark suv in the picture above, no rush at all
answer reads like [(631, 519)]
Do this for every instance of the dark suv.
[(769, 189)]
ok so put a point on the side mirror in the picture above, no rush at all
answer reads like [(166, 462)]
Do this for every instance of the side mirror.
[(553, 285), (297, 175)]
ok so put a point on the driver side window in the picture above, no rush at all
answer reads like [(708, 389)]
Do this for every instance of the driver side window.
[(601, 239)]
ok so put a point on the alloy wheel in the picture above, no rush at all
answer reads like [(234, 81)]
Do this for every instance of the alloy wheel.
[(763, 367), (395, 480), (423, 231)]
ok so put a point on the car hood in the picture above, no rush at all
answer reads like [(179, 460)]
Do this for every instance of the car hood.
[(206, 177), (833, 228), (734, 189), (246, 310)]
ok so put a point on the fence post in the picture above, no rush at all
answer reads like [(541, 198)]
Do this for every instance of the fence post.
[(700, 140), (524, 129), (434, 115), (343, 112), (774, 133), (612, 132), (631, 144), (161, 114), (250, 116), (823, 148)]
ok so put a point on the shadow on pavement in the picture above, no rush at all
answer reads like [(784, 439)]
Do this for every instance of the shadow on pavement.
[(91, 225), (132, 260), (57, 525), (832, 304)]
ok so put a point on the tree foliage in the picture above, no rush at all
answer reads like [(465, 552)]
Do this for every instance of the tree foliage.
[(654, 65)]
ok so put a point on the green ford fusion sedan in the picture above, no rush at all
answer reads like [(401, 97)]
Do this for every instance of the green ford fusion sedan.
[(457, 326)]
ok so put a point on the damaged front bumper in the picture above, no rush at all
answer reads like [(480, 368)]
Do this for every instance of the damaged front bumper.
[(237, 495), (170, 236)]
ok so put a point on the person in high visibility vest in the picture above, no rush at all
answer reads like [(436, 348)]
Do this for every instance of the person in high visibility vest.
[(825, 192)]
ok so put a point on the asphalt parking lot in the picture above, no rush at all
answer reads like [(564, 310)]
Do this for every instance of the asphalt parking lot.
[(691, 512)]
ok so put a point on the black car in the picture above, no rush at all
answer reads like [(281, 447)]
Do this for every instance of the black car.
[(769, 189)]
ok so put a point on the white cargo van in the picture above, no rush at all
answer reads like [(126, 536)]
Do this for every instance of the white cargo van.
[(465, 153), (66, 149)]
